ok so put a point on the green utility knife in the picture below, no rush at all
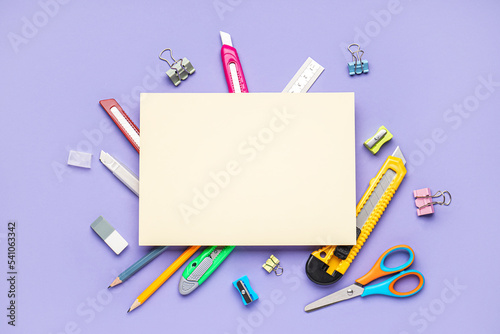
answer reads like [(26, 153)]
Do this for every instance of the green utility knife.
[(202, 267)]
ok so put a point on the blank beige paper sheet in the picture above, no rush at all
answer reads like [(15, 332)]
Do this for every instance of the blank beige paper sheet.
[(247, 169)]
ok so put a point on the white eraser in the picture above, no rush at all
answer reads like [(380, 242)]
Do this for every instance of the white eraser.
[(79, 159), (110, 236), (116, 242)]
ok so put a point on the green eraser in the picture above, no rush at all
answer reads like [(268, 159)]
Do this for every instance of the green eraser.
[(380, 138)]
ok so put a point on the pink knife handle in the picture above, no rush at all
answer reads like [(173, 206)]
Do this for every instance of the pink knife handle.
[(229, 55)]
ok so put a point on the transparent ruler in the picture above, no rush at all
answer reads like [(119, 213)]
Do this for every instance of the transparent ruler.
[(305, 77)]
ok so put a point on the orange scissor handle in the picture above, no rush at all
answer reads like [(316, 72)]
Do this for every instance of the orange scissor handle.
[(416, 273), (387, 287), (379, 269)]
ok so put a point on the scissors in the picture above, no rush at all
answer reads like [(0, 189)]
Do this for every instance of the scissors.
[(386, 287)]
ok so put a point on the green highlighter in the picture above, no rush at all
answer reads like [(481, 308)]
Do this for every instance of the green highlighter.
[(202, 267)]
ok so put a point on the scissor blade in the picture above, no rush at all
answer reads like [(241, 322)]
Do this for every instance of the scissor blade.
[(351, 291)]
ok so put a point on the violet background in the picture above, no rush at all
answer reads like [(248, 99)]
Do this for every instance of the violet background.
[(424, 59)]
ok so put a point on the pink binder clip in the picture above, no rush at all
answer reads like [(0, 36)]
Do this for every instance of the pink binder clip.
[(424, 200)]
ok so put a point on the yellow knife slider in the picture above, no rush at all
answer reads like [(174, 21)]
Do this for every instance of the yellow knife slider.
[(341, 266)]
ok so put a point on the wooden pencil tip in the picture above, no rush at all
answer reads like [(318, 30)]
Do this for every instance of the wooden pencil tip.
[(135, 305), (115, 283)]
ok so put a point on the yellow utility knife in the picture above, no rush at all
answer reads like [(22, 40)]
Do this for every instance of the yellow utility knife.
[(328, 264)]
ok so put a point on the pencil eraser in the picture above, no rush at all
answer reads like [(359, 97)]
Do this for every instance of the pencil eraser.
[(110, 236), (79, 159)]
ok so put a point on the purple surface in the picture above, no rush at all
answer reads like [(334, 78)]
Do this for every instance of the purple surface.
[(428, 64)]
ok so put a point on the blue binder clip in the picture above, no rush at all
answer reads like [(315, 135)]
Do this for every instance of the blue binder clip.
[(357, 65), (242, 284)]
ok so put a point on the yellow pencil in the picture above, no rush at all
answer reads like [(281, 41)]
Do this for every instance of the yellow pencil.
[(163, 277)]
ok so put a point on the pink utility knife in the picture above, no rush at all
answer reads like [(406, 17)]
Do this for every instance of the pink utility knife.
[(232, 67)]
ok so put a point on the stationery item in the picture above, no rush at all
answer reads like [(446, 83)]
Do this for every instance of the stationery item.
[(273, 264), (328, 264), (247, 294), (179, 69), (79, 159), (277, 167), (124, 123), (157, 283), (305, 77), (141, 263), (110, 236), (425, 203), (202, 267), (386, 287), (121, 172), (357, 65), (232, 66), (380, 138)]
